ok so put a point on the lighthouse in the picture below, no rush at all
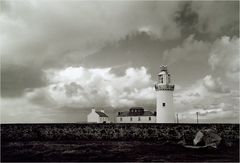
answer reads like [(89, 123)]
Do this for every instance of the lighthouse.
[(164, 90)]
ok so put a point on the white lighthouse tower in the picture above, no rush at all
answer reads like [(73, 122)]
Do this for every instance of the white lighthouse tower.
[(164, 89)]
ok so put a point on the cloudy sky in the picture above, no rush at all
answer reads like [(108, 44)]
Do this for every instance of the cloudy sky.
[(60, 58)]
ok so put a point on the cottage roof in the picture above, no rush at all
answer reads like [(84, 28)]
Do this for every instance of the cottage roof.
[(101, 114), (129, 114)]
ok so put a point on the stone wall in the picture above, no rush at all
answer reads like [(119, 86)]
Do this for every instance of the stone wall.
[(126, 132)]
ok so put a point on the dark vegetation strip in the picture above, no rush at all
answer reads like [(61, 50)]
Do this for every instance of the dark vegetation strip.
[(146, 132)]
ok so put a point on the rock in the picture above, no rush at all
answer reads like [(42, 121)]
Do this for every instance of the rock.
[(182, 142), (198, 138), (207, 138)]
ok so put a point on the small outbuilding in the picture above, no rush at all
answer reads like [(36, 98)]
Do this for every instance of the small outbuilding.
[(97, 117)]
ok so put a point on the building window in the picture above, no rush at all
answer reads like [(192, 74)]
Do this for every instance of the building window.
[(120, 119), (149, 118), (163, 104), (139, 118), (131, 119)]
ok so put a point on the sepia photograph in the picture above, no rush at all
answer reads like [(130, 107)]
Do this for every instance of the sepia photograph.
[(119, 80)]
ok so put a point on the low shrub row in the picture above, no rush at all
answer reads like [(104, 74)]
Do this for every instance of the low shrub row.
[(149, 132)]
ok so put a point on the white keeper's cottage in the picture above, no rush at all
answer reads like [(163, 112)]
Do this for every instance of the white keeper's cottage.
[(97, 117), (136, 115)]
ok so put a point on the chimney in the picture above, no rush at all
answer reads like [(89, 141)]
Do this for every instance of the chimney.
[(102, 111), (93, 110)]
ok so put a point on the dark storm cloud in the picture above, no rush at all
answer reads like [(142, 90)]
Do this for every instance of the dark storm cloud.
[(15, 79), (208, 20), (47, 29), (38, 35), (134, 50), (4, 6), (217, 18), (187, 19)]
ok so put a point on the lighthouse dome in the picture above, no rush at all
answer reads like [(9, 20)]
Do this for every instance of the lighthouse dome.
[(162, 72)]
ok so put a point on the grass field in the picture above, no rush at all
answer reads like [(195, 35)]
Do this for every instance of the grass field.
[(105, 151), (114, 142)]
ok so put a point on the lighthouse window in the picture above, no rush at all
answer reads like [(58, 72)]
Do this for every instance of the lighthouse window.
[(149, 118), (163, 104), (161, 79), (120, 119), (139, 119), (131, 119)]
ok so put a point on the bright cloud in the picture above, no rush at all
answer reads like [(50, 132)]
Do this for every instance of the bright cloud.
[(224, 55), (211, 98), (202, 92), (79, 86), (72, 91), (214, 85)]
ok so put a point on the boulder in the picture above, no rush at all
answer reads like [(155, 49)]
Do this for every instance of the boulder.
[(207, 138)]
